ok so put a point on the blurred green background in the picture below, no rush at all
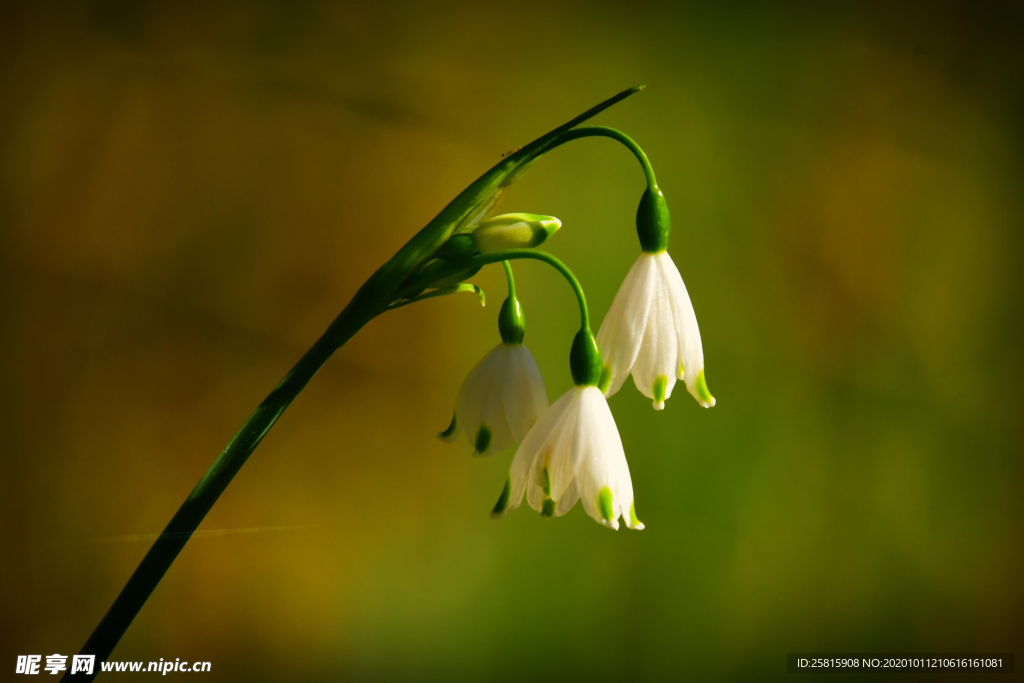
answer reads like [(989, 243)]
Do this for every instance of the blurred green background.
[(190, 193)]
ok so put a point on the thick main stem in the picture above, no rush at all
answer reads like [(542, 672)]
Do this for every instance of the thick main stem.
[(191, 513)]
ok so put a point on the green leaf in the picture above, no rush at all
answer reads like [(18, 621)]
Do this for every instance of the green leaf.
[(443, 291)]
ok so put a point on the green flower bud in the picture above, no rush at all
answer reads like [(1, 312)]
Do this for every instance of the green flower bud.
[(652, 221), (456, 248), (514, 231)]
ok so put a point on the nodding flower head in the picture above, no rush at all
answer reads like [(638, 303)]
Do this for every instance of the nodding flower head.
[(651, 332), (573, 453), (502, 397)]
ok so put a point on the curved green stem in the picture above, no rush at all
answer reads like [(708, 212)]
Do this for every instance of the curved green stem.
[(614, 134), (511, 280), (512, 254)]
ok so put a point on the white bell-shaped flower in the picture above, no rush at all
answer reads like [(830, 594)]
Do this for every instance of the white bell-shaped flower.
[(573, 453), (500, 400), (651, 331)]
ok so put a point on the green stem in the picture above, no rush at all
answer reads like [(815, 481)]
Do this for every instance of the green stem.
[(511, 280), (512, 254), (188, 517), (614, 134)]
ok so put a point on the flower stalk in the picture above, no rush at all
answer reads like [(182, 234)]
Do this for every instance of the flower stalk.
[(511, 321), (435, 262)]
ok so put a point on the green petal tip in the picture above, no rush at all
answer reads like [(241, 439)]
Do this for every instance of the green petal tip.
[(483, 440), (658, 391), (499, 507), (634, 523), (703, 395), (449, 434), (604, 503)]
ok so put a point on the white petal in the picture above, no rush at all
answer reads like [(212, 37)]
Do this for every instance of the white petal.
[(654, 371), (526, 397), (468, 406), (629, 517), (555, 463), (602, 462), (535, 442), (623, 327), (480, 402), (690, 350), (534, 494), (568, 499), (623, 484)]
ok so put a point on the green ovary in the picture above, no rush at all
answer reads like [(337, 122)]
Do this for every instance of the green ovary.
[(549, 508)]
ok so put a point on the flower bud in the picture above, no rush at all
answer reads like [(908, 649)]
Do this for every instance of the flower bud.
[(456, 248), (514, 231)]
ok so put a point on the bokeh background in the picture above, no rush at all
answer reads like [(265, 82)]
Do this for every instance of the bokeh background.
[(189, 192)]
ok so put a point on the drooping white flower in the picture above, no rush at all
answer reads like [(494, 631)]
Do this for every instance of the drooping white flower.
[(573, 453), (500, 400), (651, 331)]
